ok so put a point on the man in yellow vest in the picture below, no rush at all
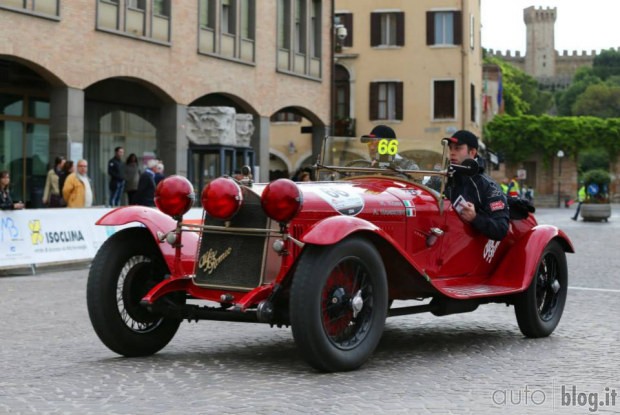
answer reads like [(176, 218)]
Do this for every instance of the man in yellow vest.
[(513, 187), (581, 196)]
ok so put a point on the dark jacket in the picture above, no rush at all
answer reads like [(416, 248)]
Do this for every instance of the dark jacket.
[(6, 202), (145, 195), (490, 202), (116, 170)]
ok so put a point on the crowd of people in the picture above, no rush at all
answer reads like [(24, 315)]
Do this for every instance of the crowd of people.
[(67, 184)]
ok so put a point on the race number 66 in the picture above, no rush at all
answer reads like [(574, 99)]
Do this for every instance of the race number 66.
[(386, 146)]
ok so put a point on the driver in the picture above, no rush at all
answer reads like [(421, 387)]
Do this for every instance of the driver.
[(372, 139), (477, 199)]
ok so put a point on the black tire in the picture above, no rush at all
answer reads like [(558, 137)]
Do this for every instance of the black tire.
[(539, 308), (125, 268), (327, 281)]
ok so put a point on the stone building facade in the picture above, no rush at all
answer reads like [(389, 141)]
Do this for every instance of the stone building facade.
[(78, 78)]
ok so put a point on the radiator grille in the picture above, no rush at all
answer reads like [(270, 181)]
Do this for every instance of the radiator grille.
[(230, 260)]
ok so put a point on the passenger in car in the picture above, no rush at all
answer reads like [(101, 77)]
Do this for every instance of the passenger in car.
[(477, 199), (383, 131)]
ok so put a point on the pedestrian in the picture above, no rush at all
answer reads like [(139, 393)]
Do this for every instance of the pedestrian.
[(132, 176), (159, 172), (476, 198), (513, 187), (504, 185), (52, 192), (581, 196), (117, 176), (6, 201), (67, 169), (145, 195), (78, 189)]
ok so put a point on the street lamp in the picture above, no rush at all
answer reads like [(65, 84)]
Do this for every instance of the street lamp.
[(560, 157)]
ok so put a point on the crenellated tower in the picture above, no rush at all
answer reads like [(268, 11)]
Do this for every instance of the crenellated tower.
[(540, 55)]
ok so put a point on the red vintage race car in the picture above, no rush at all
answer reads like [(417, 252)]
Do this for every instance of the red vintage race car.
[(326, 257)]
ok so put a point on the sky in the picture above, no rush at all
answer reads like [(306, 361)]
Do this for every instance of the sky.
[(580, 24)]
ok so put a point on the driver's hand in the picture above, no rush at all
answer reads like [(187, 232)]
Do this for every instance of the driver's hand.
[(468, 213)]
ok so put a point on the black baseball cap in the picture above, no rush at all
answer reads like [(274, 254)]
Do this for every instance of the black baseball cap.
[(464, 137), (381, 131)]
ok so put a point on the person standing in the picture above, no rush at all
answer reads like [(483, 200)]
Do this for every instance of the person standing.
[(117, 176), (477, 199), (581, 196), (145, 195), (132, 176), (67, 169), (52, 196), (159, 172), (6, 201), (78, 190)]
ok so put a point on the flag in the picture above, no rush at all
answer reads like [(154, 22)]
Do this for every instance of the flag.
[(500, 91)]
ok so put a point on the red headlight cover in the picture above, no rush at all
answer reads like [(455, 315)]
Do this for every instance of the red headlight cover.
[(174, 195), (222, 198), (282, 200)]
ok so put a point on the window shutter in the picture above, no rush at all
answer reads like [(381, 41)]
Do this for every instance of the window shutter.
[(400, 29), (373, 108), (347, 21), (375, 29), (458, 28), (430, 28), (399, 100)]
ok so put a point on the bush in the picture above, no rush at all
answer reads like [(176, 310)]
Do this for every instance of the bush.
[(601, 179)]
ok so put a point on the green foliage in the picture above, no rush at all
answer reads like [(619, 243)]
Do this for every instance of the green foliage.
[(520, 91), (584, 77), (598, 100), (594, 158), (518, 138), (606, 64), (602, 179)]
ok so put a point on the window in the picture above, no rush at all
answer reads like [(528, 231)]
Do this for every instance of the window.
[(387, 29), (444, 100), (148, 20), (472, 102), (34, 7), (285, 116), (346, 19), (386, 101), (300, 28), (227, 28), (443, 28)]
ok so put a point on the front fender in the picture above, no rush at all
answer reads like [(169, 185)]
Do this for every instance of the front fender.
[(519, 265), (336, 228), (158, 223)]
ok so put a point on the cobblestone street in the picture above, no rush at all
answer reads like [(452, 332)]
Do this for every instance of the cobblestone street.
[(52, 361)]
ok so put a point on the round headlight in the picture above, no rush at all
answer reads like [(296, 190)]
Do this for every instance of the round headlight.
[(222, 198), (174, 196), (281, 200)]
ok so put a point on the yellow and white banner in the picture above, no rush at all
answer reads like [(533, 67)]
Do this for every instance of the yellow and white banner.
[(40, 236)]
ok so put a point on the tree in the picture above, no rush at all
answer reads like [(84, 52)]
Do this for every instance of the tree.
[(584, 77), (606, 64), (521, 94), (598, 100)]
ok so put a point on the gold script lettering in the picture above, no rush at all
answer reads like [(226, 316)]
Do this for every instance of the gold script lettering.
[(209, 261)]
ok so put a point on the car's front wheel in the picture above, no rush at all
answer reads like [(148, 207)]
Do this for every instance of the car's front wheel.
[(125, 268), (539, 308), (338, 304)]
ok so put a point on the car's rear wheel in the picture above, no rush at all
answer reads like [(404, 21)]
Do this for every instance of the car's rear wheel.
[(539, 308), (125, 268), (338, 304)]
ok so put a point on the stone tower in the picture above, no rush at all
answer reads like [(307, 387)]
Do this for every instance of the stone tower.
[(540, 42)]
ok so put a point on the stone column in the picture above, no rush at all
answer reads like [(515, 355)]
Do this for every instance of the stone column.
[(318, 135), (172, 142), (260, 144), (66, 122)]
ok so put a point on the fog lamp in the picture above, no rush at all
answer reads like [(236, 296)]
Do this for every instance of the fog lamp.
[(281, 200), (222, 198), (174, 196)]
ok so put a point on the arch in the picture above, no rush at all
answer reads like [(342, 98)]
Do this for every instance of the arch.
[(304, 112), (304, 160), (282, 157), (137, 74), (39, 69), (426, 159)]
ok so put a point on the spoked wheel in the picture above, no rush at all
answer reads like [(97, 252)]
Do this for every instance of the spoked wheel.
[(339, 304), (540, 307), (125, 268)]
